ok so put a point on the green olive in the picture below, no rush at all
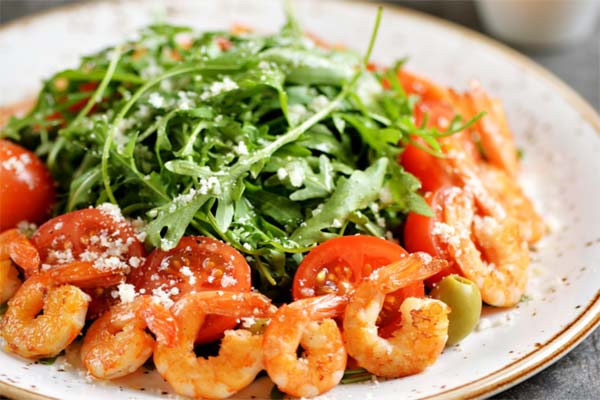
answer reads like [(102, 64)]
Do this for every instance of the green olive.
[(464, 300)]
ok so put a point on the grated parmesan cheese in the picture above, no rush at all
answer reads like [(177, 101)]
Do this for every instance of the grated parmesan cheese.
[(156, 100), (111, 210), (216, 88), (241, 149), (446, 233), (296, 174), (163, 296), (18, 166), (282, 173), (125, 292), (187, 272), (227, 280)]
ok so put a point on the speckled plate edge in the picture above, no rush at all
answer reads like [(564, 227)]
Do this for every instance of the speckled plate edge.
[(547, 353)]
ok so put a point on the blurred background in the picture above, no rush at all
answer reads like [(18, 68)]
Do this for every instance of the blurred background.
[(561, 35)]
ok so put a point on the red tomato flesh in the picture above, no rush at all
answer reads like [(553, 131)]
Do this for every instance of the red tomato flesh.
[(26, 186), (427, 168)]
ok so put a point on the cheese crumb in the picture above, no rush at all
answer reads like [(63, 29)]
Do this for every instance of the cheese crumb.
[(227, 280), (162, 296), (111, 210), (296, 174), (18, 166), (241, 148), (282, 173), (156, 100), (135, 261), (125, 292), (216, 88), (187, 272)]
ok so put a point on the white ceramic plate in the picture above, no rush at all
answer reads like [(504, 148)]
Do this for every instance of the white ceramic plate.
[(556, 129)]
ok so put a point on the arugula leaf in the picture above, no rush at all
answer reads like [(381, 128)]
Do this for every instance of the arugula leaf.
[(354, 193)]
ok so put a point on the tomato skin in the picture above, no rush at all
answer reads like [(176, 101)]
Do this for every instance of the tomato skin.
[(26, 187), (427, 168), (208, 261), (418, 235), (70, 235), (352, 258), (74, 231), (360, 254)]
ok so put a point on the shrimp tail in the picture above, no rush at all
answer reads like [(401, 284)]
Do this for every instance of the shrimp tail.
[(413, 268), (84, 275), (494, 133), (230, 304), (322, 307), (16, 246)]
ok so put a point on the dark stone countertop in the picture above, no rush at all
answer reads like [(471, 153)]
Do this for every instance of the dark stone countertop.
[(577, 375)]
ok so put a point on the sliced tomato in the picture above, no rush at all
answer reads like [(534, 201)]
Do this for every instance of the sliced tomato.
[(99, 236), (420, 234), (197, 264), (338, 265), (26, 186)]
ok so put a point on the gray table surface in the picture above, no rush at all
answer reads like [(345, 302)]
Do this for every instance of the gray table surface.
[(577, 375)]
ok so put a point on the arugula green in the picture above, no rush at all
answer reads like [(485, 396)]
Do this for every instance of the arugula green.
[(270, 143)]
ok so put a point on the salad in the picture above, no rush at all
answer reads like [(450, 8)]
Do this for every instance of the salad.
[(271, 192)]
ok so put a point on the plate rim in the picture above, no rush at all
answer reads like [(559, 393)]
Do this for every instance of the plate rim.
[(525, 366)]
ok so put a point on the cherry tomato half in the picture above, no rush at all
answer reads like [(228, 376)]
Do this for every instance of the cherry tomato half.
[(338, 265), (197, 263), (95, 235), (420, 234), (26, 186)]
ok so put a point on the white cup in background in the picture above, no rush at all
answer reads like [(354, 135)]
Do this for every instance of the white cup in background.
[(539, 23)]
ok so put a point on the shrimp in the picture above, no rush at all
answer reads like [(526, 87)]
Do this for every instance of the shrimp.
[(46, 313), (117, 343), (423, 332), (9, 280), (15, 248), (508, 193), (240, 357), (494, 134), (488, 251), (307, 323), (497, 195), (465, 171)]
